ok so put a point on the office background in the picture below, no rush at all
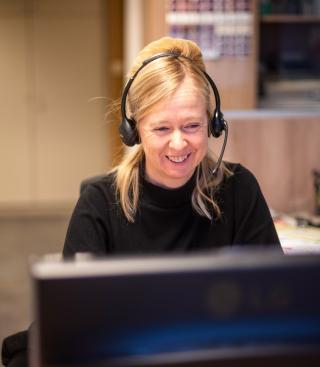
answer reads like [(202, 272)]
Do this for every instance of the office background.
[(62, 63)]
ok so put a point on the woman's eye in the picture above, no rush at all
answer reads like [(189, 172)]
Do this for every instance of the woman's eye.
[(192, 127), (161, 129)]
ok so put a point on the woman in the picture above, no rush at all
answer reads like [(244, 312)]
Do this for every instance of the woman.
[(168, 193), (163, 195)]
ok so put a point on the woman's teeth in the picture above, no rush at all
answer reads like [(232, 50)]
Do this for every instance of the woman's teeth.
[(177, 159)]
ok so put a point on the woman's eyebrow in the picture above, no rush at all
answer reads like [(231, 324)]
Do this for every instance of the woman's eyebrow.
[(188, 120), (157, 123)]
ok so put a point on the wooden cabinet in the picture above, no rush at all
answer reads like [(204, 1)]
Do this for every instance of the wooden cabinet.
[(235, 75), (281, 69)]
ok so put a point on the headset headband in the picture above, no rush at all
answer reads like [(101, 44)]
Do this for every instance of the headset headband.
[(158, 56)]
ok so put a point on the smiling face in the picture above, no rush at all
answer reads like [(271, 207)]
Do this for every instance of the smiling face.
[(174, 136)]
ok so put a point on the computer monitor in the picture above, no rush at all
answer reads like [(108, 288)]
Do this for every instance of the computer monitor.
[(236, 308)]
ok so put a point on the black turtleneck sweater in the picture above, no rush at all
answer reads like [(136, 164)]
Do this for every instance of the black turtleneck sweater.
[(166, 221)]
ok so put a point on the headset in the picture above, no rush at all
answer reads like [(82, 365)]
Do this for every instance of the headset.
[(129, 132)]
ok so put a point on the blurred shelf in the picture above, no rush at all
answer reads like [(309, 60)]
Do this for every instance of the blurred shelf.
[(291, 94), (279, 18)]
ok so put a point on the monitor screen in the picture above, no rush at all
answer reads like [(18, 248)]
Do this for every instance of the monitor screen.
[(178, 310)]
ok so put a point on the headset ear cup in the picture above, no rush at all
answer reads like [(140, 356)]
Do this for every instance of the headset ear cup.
[(128, 132), (215, 127), (217, 124)]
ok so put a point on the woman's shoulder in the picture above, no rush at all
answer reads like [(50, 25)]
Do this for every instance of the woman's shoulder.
[(99, 190), (103, 181), (241, 184), (240, 177)]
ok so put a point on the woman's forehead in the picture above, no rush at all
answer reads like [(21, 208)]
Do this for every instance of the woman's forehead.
[(185, 105), (188, 92)]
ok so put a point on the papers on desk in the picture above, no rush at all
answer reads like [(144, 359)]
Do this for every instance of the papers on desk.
[(297, 239)]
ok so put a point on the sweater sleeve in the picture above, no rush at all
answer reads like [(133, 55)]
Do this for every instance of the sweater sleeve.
[(88, 226), (253, 221)]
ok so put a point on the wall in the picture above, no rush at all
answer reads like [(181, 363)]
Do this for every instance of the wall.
[(281, 149), (52, 131)]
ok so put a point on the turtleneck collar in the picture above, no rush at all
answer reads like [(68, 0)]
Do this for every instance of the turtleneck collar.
[(165, 197)]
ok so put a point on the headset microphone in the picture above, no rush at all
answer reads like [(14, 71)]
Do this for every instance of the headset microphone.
[(128, 129), (216, 167)]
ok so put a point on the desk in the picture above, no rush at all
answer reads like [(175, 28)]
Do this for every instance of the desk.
[(297, 239)]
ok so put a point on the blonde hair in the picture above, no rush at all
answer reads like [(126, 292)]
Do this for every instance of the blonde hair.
[(156, 81)]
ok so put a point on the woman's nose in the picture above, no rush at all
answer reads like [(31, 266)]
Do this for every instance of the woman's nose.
[(177, 140)]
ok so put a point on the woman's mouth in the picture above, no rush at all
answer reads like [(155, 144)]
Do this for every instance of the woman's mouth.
[(178, 158)]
